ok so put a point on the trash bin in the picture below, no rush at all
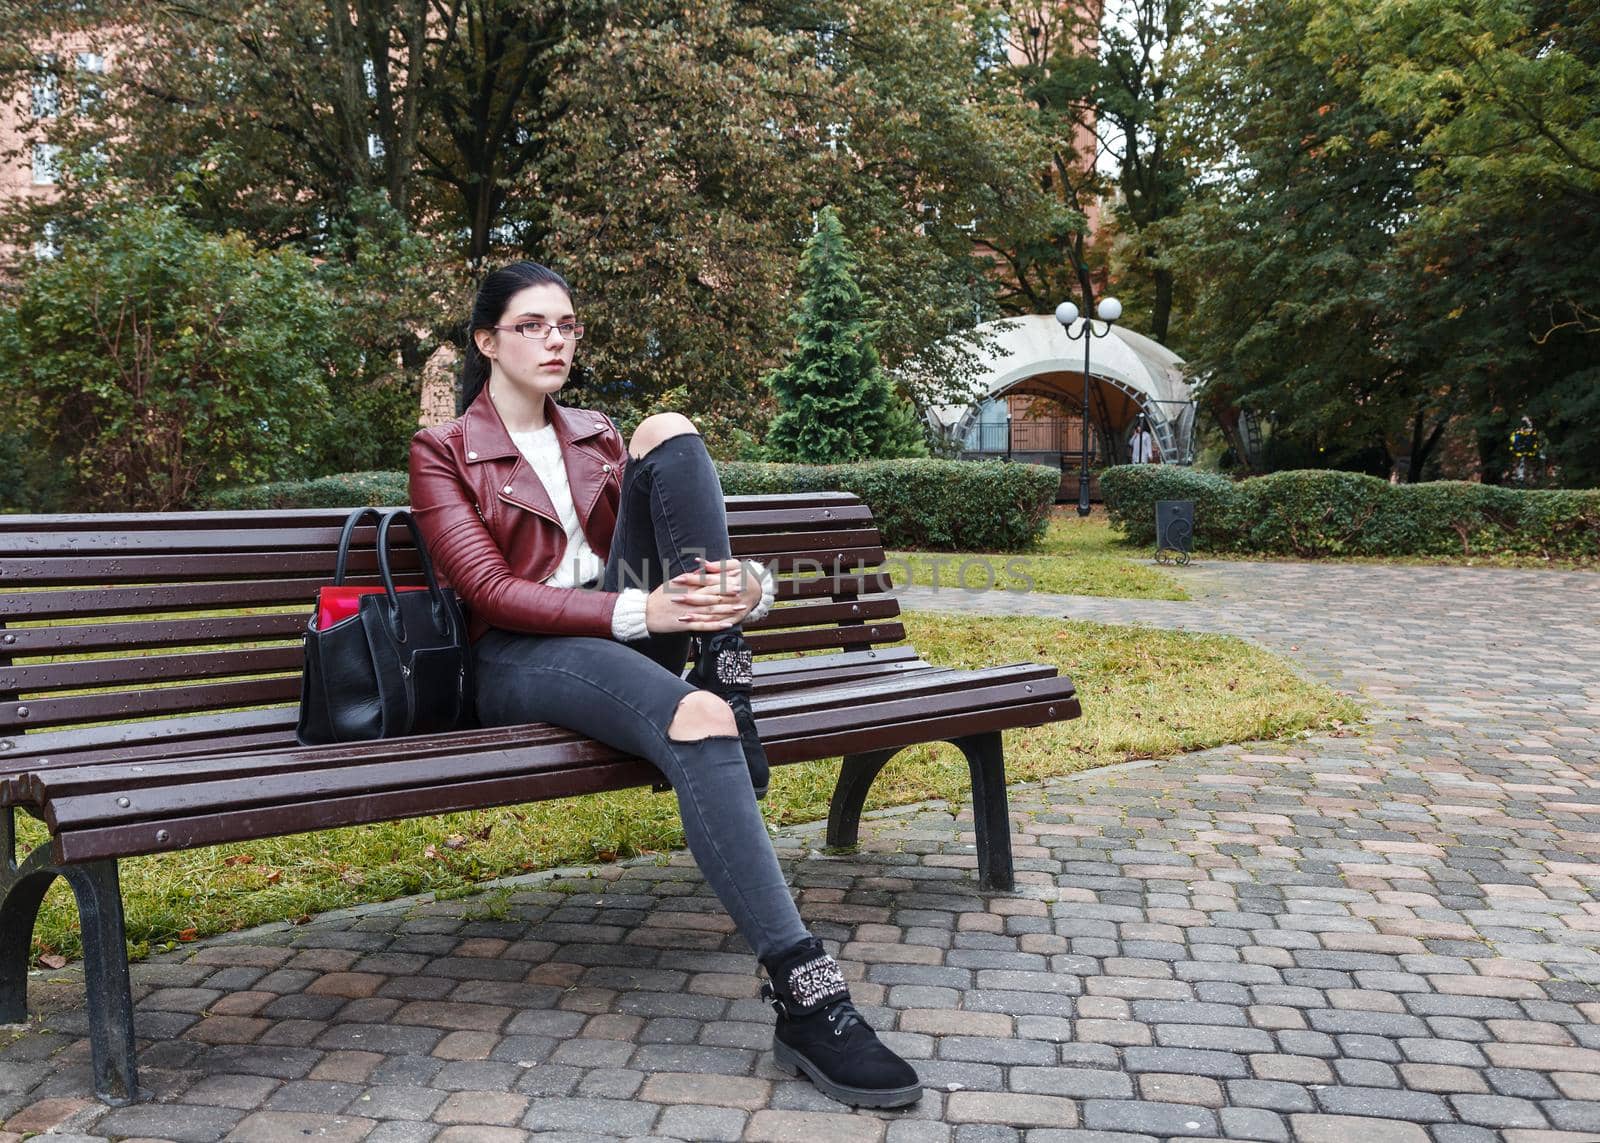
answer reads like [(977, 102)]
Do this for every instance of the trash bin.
[(1174, 531)]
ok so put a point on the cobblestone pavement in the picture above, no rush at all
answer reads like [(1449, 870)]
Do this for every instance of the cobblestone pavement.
[(1387, 938)]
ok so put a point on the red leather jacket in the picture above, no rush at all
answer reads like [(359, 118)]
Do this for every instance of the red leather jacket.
[(492, 530)]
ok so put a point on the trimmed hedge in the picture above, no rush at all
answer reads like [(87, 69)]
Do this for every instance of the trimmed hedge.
[(1315, 513), (948, 505), (963, 506), (344, 490)]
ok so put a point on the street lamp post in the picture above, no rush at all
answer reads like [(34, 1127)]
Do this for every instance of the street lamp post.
[(1109, 310)]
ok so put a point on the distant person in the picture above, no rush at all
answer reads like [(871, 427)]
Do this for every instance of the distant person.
[(1142, 444)]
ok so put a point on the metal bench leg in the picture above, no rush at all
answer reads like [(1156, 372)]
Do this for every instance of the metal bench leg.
[(850, 795), (991, 817), (105, 954), (22, 889), (105, 974)]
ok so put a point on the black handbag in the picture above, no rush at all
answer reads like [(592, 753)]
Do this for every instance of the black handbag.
[(398, 665)]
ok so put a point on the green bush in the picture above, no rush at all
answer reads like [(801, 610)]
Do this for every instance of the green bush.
[(949, 505), (1327, 513), (965, 506), (157, 360), (344, 490)]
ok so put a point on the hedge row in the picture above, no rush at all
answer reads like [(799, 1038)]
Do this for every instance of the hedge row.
[(964, 506), (1320, 513)]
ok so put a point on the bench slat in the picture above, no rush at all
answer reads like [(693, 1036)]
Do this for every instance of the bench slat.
[(818, 637), (188, 597), (46, 712), (33, 679), (45, 549), (314, 517), (591, 776), (67, 570), (212, 733), (92, 796), (76, 638), (257, 775)]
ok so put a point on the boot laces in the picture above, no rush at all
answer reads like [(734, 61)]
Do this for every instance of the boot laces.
[(843, 1016)]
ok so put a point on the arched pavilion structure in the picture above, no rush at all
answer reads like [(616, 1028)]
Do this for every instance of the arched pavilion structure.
[(1032, 357)]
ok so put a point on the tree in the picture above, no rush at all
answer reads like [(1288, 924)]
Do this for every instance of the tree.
[(1305, 310), (1105, 79), (1394, 227), (1503, 96), (157, 361), (669, 158), (835, 402)]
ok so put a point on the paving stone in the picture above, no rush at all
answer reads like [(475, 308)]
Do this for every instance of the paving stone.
[(177, 1122), (1344, 1129), (1171, 1120), (602, 1116), (245, 1092), (294, 1127), (1497, 1111), (490, 1108), (708, 1123), (809, 1127), (391, 1102), (1010, 1109), (402, 1131), (1253, 1123), (1417, 1107)]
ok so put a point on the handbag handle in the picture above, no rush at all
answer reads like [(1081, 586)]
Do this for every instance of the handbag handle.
[(351, 523), (441, 612)]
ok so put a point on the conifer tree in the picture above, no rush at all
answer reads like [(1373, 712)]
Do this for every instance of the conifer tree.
[(835, 402)]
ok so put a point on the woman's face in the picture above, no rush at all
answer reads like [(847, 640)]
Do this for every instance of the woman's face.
[(533, 365)]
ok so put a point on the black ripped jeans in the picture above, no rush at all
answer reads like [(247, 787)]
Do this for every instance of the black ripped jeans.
[(626, 694)]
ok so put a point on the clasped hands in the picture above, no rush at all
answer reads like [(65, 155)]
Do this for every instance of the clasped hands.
[(712, 597)]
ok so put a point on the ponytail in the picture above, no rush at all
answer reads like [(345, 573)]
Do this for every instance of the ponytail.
[(474, 374), (489, 307)]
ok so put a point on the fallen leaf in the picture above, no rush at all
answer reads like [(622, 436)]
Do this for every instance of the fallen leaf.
[(352, 877), (188, 934), (430, 852), (239, 859), (455, 841), (274, 876), (51, 960)]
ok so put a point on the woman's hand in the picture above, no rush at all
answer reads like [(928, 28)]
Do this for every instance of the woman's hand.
[(713, 597)]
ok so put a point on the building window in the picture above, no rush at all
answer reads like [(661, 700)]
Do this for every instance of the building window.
[(90, 64), (46, 90), (46, 163), (994, 44), (49, 244)]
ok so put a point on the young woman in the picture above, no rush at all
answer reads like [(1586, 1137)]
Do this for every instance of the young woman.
[(586, 568)]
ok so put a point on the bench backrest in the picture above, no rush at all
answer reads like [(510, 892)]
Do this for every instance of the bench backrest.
[(111, 618)]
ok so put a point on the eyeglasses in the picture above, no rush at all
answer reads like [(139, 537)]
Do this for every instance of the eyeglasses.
[(540, 330)]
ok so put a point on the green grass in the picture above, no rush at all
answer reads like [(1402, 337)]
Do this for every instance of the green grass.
[(1079, 556), (1146, 693)]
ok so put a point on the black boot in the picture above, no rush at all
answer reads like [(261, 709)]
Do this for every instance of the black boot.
[(723, 666), (820, 1033)]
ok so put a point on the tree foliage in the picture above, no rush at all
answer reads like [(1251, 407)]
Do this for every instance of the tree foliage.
[(153, 360), (667, 158), (1395, 227), (835, 404)]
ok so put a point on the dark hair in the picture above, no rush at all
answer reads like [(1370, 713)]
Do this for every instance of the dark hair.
[(494, 295)]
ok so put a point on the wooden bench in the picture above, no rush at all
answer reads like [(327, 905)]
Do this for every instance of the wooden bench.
[(149, 667)]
